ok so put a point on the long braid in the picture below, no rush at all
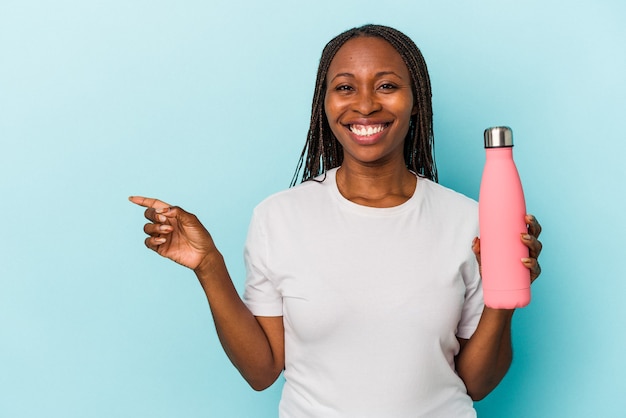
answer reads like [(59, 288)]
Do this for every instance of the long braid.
[(323, 152)]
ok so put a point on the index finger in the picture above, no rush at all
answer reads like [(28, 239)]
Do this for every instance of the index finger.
[(148, 202)]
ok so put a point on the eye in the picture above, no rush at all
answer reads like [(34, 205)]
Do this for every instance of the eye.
[(387, 86), (343, 87)]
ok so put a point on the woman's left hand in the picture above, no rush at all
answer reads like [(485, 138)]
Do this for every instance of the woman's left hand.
[(534, 246), (530, 239)]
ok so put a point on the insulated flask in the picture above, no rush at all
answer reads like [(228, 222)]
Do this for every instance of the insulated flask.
[(501, 211)]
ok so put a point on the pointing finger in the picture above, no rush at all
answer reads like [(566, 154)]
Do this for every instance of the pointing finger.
[(148, 202)]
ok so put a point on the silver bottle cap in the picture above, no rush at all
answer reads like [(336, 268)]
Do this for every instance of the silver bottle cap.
[(499, 136)]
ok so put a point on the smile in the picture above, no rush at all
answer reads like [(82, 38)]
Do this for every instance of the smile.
[(368, 130)]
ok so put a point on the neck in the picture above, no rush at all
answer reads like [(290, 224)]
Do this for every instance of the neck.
[(381, 187)]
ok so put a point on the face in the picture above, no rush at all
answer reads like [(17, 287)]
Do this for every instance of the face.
[(369, 101)]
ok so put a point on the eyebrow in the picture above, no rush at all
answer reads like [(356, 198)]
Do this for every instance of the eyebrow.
[(378, 74)]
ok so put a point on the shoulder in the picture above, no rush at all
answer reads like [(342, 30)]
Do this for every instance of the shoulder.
[(446, 197), (307, 196), (450, 209)]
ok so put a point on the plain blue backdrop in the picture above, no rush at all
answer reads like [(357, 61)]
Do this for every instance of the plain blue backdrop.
[(205, 104)]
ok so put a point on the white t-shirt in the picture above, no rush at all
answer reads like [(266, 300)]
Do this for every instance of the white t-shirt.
[(372, 299)]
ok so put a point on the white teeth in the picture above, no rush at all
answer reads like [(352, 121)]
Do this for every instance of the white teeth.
[(366, 130)]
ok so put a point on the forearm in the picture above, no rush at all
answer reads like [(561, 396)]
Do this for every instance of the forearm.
[(486, 356), (240, 334)]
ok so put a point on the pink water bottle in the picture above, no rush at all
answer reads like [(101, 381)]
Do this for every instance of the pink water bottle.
[(501, 210)]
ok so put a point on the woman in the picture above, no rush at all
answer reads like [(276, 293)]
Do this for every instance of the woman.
[(362, 282)]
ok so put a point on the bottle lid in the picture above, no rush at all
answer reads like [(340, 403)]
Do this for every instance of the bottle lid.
[(498, 137)]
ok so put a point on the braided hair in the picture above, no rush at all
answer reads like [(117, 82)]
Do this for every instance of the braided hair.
[(323, 152)]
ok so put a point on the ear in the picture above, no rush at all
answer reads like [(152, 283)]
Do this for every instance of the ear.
[(414, 110)]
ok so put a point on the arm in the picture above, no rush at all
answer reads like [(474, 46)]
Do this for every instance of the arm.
[(255, 345), (484, 359)]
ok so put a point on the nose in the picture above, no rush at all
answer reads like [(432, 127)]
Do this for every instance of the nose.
[(366, 102)]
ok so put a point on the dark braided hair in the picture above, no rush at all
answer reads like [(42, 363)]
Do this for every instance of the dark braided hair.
[(323, 152)]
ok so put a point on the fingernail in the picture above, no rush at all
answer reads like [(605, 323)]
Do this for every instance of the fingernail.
[(525, 260), (159, 240), (161, 218), (164, 228), (526, 236)]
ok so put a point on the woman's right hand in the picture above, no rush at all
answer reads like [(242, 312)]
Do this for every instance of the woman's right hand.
[(175, 233), (255, 345)]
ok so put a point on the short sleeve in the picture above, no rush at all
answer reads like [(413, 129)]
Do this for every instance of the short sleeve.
[(474, 304), (260, 293)]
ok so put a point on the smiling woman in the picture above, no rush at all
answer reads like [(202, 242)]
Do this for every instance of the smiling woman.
[(322, 151), (369, 102), (368, 106), (363, 282)]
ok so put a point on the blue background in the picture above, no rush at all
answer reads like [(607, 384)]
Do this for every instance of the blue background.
[(206, 105)]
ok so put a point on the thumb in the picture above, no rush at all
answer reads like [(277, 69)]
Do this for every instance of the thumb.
[(184, 218)]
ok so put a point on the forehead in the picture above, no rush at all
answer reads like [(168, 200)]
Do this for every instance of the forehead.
[(367, 53)]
